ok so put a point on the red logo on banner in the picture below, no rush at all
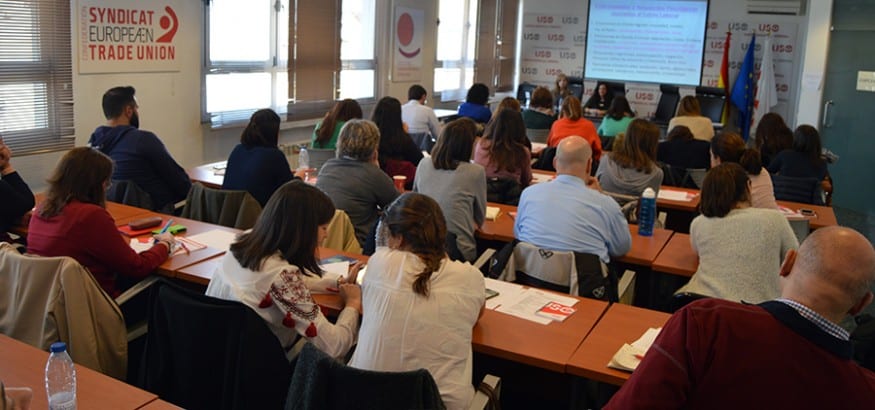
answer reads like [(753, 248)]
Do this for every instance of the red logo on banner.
[(405, 31), (169, 23)]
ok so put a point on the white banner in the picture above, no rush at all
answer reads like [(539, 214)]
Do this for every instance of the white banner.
[(409, 25), (127, 37), (551, 44)]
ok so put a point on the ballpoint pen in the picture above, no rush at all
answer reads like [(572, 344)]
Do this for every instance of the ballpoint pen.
[(166, 227)]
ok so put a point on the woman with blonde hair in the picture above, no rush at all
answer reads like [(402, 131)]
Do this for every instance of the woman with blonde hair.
[(421, 306), (631, 167), (690, 115), (571, 122)]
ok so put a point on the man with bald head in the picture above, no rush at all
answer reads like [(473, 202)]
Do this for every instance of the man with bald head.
[(570, 213), (785, 353)]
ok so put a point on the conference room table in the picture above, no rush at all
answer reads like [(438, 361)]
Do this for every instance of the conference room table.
[(22, 365), (678, 257), (620, 324), (211, 175)]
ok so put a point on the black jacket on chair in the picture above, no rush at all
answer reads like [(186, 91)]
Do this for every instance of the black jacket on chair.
[(207, 353)]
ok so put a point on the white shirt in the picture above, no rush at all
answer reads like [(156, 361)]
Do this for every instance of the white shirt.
[(403, 330), (286, 284), (420, 119)]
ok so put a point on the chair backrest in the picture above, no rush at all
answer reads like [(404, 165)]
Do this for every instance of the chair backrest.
[(576, 90), (806, 190), (320, 382), (318, 157), (711, 102), (537, 135), (341, 234), (423, 140), (44, 300), (801, 227), (234, 209), (203, 352), (129, 193), (616, 89), (679, 177), (697, 175), (667, 105), (524, 93)]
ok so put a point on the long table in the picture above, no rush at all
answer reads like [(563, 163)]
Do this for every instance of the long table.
[(678, 257), (620, 324), (22, 365)]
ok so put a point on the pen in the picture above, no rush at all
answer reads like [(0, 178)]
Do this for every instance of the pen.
[(187, 252), (166, 227)]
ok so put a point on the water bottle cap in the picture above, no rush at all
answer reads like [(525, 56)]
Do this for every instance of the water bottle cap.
[(649, 193), (58, 347)]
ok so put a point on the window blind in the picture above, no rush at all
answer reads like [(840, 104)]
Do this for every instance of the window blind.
[(36, 88)]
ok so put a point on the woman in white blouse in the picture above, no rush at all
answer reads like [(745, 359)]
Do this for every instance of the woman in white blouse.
[(269, 268), (421, 306)]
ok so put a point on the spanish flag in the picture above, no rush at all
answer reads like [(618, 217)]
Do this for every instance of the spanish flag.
[(723, 81)]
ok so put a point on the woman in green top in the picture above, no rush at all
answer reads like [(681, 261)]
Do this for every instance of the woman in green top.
[(616, 120), (325, 134)]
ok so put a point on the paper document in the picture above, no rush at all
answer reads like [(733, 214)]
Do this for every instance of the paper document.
[(789, 213), (527, 303), (538, 177), (538, 147), (507, 292), (492, 212), (215, 238), (335, 270), (630, 355), (144, 243), (672, 195)]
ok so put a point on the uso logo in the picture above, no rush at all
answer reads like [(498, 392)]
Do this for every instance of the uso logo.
[(769, 28), (644, 96)]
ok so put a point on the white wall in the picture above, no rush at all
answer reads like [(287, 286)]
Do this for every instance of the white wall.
[(170, 102)]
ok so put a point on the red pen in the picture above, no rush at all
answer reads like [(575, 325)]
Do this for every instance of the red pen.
[(639, 356)]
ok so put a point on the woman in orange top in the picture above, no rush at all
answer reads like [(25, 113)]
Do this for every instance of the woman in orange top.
[(571, 122)]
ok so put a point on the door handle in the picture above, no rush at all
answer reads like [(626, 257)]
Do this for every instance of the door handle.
[(826, 110)]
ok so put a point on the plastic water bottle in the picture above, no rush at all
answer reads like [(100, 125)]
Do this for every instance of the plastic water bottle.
[(647, 213), (303, 158), (60, 379)]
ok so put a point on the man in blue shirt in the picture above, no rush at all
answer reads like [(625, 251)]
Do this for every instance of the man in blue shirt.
[(139, 156), (570, 213)]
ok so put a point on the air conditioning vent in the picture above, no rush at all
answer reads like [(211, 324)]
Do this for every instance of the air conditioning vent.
[(779, 7)]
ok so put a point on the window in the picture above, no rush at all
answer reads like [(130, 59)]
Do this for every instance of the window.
[(36, 90), (248, 64), (456, 46)]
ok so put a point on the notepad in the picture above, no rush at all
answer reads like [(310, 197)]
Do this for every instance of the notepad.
[(629, 356), (492, 212), (672, 195)]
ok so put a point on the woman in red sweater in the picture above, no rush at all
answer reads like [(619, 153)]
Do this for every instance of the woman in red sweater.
[(571, 122), (73, 221)]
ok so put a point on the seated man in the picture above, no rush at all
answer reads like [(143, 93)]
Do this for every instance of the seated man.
[(570, 213), (786, 353), (354, 180), (139, 156), (420, 118)]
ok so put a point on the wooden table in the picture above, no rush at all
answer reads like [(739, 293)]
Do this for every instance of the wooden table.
[(620, 324), (22, 365), (545, 346), (118, 211), (643, 252), (678, 257), (823, 215), (160, 405), (686, 206), (206, 174)]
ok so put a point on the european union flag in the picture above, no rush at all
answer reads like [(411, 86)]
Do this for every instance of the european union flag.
[(744, 90)]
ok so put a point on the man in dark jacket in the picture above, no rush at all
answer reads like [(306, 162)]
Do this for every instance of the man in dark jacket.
[(139, 156)]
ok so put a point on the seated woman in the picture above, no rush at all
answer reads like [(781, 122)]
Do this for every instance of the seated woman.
[(729, 147), (631, 167), (804, 160), (561, 91), (354, 181), (501, 152), (599, 102), (399, 155), (326, 131), (256, 164), (690, 115), (73, 221), (571, 122), (616, 120), (421, 306), (771, 137), (456, 184), (476, 105), (17, 197), (268, 268), (681, 150), (539, 115), (730, 230)]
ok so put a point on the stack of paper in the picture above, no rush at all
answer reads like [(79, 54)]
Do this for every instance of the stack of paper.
[(492, 212), (630, 355), (672, 195), (524, 303)]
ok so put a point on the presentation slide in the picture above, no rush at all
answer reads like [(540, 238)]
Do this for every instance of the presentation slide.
[(649, 41)]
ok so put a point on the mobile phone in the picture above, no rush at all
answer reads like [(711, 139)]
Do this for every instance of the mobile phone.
[(806, 212), (490, 293)]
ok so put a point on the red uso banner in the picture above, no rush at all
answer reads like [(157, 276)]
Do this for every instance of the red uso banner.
[(122, 36)]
